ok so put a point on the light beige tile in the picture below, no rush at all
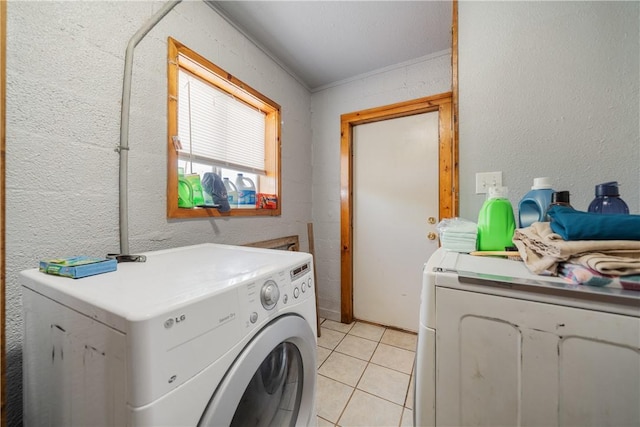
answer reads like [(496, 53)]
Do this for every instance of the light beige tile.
[(323, 353), (400, 339), (357, 347), (343, 368), (332, 397), (394, 358), (385, 383), (329, 339), (366, 410), (324, 423), (337, 326), (365, 330), (321, 320), (407, 418), (409, 402)]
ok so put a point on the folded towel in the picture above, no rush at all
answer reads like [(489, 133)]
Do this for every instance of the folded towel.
[(541, 249), (471, 234), (458, 234), (458, 243), (611, 264), (576, 225), (457, 238), (581, 275)]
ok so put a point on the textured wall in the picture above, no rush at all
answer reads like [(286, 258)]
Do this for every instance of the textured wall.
[(65, 64), (549, 89), (428, 76)]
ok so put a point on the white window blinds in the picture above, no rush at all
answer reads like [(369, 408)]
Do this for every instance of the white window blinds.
[(217, 129)]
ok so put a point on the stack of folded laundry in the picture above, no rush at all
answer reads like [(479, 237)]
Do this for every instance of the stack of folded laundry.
[(580, 275), (458, 235), (586, 248)]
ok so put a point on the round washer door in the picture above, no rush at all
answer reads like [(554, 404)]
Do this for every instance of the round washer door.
[(272, 382)]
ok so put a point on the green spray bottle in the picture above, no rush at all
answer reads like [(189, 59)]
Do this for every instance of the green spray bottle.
[(496, 222)]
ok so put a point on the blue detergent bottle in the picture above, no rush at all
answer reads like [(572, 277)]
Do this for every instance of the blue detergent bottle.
[(533, 206), (608, 200)]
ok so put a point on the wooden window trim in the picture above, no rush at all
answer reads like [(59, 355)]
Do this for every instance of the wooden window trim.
[(181, 56)]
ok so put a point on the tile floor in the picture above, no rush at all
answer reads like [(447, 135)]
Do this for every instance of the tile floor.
[(365, 375)]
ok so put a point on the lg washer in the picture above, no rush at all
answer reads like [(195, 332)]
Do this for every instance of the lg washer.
[(205, 335)]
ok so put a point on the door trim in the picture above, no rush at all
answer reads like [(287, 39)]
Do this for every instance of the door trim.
[(448, 174), (3, 173)]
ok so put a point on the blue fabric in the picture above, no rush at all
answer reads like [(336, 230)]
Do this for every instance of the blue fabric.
[(212, 184), (576, 225)]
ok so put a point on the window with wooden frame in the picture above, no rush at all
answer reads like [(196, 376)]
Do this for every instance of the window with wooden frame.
[(220, 130)]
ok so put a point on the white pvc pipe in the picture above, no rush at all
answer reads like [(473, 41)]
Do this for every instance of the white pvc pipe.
[(123, 148)]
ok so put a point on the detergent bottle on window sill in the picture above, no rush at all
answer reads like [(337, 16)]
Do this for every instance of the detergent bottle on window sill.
[(232, 193), (246, 192), (197, 196), (190, 193), (185, 195), (496, 222)]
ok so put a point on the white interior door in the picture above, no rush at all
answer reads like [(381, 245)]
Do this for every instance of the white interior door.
[(395, 191)]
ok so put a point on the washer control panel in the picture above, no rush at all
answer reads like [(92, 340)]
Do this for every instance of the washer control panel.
[(269, 294), (301, 281), (279, 290)]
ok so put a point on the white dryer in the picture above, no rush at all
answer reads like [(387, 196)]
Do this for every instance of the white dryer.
[(205, 335), (500, 346)]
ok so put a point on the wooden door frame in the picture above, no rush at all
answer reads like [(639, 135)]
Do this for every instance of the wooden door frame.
[(3, 354), (447, 183)]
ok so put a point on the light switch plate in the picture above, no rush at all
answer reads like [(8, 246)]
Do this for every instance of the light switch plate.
[(484, 180)]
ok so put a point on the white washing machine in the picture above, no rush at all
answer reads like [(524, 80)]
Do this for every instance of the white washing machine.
[(205, 335), (500, 346)]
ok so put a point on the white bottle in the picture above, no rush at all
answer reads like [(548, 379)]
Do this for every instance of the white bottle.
[(246, 192), (232, 193)]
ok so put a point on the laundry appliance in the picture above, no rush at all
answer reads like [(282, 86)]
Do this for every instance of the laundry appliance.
[(204, 335), (498, 346)]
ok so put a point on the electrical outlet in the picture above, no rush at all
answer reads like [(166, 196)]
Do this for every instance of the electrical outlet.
[(484, 180)]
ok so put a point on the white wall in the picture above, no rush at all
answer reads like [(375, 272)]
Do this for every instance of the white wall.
[(549, 89), (546, 89), (65, 64), (423, 77)]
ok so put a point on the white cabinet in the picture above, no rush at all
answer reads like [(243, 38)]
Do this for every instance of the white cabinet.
[(504, 361)]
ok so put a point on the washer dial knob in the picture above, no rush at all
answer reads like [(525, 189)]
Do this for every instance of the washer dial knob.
[(269, 294)]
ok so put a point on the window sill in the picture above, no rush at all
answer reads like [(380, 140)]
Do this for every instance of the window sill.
[(212, 212)]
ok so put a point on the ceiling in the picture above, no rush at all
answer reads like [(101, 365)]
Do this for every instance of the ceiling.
[(324, 42)]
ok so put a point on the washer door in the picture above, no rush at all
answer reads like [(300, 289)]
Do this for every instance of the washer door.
[(272, 382)]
